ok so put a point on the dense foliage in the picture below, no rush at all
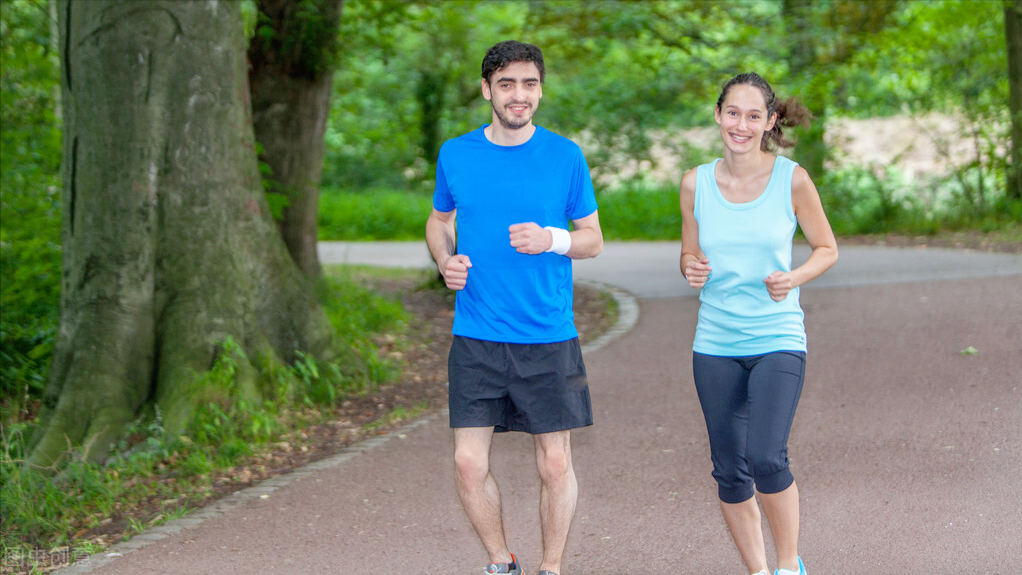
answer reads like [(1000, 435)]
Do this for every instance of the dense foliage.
[(628, 79), (30, 153), (622, 74)]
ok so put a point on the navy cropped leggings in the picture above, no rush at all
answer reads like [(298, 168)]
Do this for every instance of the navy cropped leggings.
[(749, 404)]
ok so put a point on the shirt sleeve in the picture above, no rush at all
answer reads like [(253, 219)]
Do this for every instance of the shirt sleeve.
[(443, 200), (582, 196)]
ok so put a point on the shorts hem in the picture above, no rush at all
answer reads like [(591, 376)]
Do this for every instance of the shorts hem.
[(498, 428)]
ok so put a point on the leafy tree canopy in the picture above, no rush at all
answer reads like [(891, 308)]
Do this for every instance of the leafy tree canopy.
[(622, 72)]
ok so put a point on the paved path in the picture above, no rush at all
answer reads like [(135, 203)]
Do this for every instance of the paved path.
[(650, 269), (908, 453)]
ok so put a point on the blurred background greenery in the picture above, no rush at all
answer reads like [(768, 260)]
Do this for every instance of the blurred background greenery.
[(923, 85), (633, 82)]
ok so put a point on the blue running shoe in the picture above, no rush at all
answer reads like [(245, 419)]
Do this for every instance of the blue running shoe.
[(801, 570)]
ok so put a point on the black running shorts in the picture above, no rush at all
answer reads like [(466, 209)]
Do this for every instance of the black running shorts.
[(535, 388)]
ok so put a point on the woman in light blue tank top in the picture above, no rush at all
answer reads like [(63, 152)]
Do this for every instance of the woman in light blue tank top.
[(739, 215)]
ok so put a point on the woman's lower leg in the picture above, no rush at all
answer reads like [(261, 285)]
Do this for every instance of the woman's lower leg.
[(782, 513), (743, 520)]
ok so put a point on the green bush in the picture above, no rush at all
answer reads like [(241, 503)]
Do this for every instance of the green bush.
[(358, 315), (30, 150), (859, 201), (373, 215), (30, 300), (640, 214), (42, 509)]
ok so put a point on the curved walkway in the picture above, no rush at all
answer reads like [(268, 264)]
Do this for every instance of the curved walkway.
[(908, 452)]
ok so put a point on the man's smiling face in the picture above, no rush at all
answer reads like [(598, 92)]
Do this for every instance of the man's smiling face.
[(514, 92)]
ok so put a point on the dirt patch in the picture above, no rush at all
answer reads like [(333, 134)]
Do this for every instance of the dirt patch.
[(920, 146)]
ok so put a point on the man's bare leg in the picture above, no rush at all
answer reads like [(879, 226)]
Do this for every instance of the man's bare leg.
[(558, 494), (478, 489)]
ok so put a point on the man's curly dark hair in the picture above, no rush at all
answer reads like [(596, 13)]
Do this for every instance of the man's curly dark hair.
[(509, 52)]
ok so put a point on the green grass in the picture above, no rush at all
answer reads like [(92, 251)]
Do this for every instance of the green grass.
[(167, 474), (640, 214), (373, 215), (857, 202)]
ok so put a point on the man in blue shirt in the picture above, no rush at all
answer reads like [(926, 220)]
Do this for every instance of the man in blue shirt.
[(515, 364)]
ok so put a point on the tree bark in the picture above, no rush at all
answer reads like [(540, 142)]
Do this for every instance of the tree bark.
[(168, 246), (291, 59), (431, 94), (1013, 35)]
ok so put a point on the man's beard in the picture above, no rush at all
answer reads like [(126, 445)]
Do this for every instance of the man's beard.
[(508, 123)]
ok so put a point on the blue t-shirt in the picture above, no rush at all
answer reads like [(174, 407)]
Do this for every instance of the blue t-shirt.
[(512, 297), (745, 243)]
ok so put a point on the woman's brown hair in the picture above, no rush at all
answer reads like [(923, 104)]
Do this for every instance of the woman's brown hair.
[(790, 112)]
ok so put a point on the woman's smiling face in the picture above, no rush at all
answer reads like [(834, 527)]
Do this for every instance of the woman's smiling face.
[(743, 118)]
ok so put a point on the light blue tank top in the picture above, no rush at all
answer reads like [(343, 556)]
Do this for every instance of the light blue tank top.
[(745, 243)]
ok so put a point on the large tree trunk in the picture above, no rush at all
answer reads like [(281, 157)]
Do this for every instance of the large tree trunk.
[(1013, 34), (431, 94), (168, 247), (291, 60)]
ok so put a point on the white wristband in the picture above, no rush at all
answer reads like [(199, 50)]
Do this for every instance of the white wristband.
[(562, 240)]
